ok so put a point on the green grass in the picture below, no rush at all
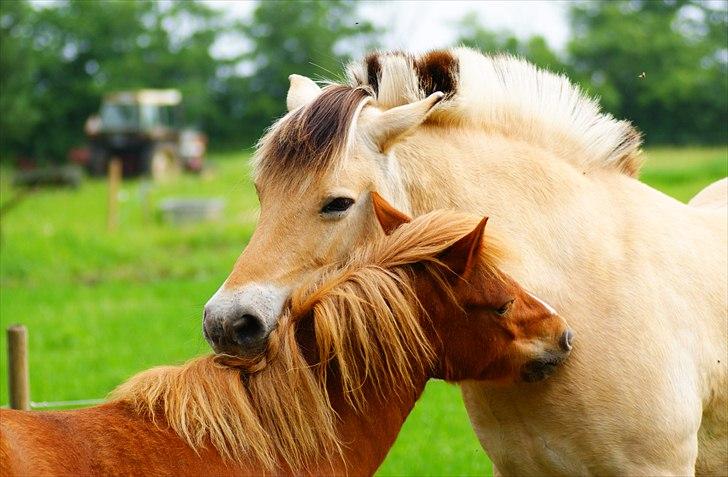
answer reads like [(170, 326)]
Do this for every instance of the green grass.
[(683, 172), (102, 306)]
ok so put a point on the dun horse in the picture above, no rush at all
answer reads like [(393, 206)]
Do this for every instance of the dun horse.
[(338, 378), (641, 277)]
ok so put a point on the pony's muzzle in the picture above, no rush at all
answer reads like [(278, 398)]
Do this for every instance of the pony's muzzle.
[(546, 364), (566, 339)]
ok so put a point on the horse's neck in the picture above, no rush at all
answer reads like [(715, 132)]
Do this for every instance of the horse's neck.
[(531, 195), (367, 436), (466, 169)]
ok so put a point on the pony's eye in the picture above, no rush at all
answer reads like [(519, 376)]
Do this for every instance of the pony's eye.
[(503, 310), (339, 204)]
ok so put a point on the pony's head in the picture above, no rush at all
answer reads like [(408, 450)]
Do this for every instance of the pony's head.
[(485, 325), (313, 172)]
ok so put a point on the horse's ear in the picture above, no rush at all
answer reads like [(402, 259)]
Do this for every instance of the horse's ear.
[(394, 123), (302, 90), (389, 217), (461, 256)]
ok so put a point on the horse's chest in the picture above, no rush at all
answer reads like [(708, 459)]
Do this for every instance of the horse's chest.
[(522, 441)]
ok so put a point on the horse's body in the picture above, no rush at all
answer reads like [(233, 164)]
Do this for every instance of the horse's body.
[(334, 387), (639, 275), (642, 280)]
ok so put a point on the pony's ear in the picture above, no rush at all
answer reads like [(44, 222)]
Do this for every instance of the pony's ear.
[(389, 217), (461, 256), (395, 123), (302, 90)]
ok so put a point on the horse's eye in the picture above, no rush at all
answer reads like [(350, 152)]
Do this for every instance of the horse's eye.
[(339, 204), (503, 310)]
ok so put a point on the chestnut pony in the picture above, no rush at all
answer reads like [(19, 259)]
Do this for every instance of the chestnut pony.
[(339, 375)]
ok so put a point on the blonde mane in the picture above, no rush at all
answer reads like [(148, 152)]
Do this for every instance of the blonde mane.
[(501, 95), (276, 408), (508, 96)]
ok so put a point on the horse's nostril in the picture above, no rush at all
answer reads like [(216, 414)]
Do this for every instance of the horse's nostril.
[(566, 340), (247, 328)]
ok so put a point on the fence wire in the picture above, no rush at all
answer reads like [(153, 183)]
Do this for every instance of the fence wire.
[(57, 404)]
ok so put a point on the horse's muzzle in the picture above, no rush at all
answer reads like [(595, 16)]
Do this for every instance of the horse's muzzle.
[(237, 335)]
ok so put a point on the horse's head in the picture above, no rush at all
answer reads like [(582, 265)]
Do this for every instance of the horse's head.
[(313, 172), (487, 326)]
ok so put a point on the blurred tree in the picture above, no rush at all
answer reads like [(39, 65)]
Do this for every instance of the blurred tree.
[(19, 113), (534, 49), (661, 64), (58, 60), (311, 38)]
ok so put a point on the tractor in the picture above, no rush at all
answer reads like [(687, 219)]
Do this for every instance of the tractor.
[(143, 129)]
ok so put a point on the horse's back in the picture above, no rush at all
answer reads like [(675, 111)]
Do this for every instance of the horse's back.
[(714, 196)]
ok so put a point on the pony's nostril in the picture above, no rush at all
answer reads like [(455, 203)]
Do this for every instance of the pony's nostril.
[(566, 340), (247, 328)]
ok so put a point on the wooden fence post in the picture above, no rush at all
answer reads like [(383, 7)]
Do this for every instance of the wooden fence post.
[(112, 222), (18, 379)]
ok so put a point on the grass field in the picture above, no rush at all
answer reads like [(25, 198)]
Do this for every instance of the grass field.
[(102, 306)]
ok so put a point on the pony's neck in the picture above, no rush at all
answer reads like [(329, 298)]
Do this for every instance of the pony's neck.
[(545, 209), (368, 436)]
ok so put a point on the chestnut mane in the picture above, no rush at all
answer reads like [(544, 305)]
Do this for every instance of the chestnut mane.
[(276, 408)]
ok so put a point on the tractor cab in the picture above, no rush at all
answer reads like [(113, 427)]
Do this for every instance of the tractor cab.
[(142, 111), (143, 129)]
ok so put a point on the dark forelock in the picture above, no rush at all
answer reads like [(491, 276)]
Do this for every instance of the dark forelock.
[(309, 139)]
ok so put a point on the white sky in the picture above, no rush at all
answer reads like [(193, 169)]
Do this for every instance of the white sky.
[(423, 25)]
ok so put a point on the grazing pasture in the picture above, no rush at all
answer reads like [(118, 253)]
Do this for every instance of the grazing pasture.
[(101, 307)]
